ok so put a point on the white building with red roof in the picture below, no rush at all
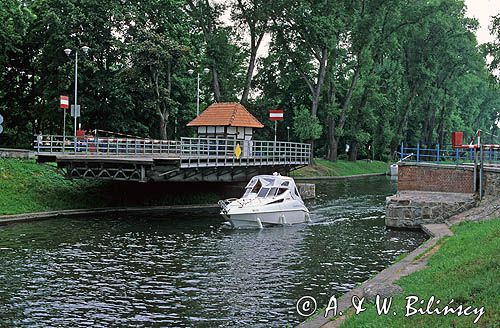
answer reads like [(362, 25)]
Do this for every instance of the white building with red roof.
[(226, 120)]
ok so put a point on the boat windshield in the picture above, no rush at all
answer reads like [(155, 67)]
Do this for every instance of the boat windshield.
[(263, 192), (270, 192), (266, 188)]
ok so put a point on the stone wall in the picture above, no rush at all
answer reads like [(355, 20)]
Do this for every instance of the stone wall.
[(306, 190), (492, 181), (16, 153), (431, 177), (410, 209)]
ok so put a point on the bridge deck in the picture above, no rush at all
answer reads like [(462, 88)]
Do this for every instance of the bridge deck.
[(188, 159)]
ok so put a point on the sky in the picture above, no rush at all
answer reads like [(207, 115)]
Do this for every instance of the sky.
[(482, 10)]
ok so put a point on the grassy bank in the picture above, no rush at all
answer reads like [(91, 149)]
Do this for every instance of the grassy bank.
[(27, 187), (323, 167), (466, 268)]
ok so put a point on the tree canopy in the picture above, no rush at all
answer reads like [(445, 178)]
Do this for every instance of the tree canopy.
[(364, 73)]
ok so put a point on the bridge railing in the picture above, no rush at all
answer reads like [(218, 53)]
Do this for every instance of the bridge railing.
[(211, 151), (223, 151), (53, 144), (446, 154)]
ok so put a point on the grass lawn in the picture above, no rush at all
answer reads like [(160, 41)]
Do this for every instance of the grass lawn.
[(323, 167), (466, 268), (26, 186)]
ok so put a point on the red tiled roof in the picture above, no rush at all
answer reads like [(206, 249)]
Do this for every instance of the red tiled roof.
[(226, 114)]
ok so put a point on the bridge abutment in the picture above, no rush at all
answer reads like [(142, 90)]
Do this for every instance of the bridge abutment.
[(432, 193)]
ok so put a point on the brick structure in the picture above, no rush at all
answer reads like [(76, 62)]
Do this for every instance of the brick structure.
[(430, 177), (430, 193)]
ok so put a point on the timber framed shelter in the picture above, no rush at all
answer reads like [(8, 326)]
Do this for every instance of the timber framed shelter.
[(226, 120)]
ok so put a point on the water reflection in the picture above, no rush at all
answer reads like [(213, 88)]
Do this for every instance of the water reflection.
[(194, 272)]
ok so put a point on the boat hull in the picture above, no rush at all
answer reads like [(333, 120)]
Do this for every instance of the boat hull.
[(260, 219)]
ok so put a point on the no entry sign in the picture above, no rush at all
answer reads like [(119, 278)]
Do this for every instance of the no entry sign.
[(64, 102), (276, 114)]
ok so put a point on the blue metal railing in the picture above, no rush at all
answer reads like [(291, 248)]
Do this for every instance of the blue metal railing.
[(445, 154)]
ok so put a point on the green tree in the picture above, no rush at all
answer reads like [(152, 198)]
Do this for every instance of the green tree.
[(306, 126), (220, 51), (252, 17)]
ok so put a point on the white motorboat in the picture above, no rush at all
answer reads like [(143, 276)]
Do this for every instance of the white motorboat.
[(268, 200)]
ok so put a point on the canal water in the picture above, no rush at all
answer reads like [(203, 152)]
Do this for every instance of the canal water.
[(194, 272)]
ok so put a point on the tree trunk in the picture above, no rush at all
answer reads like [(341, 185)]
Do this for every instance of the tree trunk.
[(215, 83), (251, 66), (163, 127), (319, 85), (353, 151), (330, 138), (311, 157), (316, 88), (442, 124), (332, 141), (357, 124), (404, 117), (314, 106), (163, 106), (334, 149), (348, 97), (208, 27), (248, 81)]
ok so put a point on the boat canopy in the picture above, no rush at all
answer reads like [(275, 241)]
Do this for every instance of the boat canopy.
[(263, 186)]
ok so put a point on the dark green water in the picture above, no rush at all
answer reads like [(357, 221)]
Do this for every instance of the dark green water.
[(193, 272)]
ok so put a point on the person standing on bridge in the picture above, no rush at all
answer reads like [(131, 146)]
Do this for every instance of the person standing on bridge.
[(39, 140)]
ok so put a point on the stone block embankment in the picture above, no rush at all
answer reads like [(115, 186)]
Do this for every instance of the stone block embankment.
[(16, 153), (411, 209), (307, 190), (492, 181)]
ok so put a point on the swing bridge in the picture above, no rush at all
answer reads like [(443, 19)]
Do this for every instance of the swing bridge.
[(188, 159)]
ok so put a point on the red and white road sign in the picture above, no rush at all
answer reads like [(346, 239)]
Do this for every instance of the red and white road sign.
[(276, 114), (64, 102)]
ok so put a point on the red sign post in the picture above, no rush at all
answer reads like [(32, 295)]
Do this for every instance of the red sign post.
[(276, 115), (64, 104)]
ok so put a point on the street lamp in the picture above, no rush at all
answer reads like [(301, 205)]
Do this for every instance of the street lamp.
[(190, 72), (68, 51), (288, 132)]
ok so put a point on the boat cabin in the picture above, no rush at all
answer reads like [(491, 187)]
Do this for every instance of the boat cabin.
[(270, 186)]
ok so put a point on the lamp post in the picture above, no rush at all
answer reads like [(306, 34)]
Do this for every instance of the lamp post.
[(67, 51), (190, 72), (288, 132)]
